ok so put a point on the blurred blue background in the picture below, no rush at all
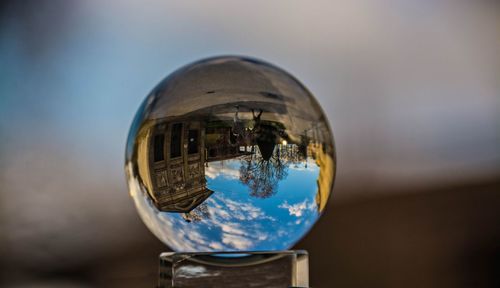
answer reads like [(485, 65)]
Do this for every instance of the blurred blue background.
[(411, 89)]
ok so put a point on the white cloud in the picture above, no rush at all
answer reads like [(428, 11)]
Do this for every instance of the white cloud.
[(216, 169), (238, 242), (245, 211), (216, 246), (298, 208), (232, 229)]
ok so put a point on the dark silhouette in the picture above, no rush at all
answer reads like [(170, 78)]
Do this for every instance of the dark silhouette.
[(197, 214), (238, 128), (263, 175)]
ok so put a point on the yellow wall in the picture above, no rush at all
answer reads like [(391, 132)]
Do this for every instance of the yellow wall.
[(143, 157), (326, 175)]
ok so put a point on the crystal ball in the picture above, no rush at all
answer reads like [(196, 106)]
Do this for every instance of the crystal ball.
[(230, 154)]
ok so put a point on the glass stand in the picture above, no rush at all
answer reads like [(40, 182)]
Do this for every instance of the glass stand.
[(273, 269)]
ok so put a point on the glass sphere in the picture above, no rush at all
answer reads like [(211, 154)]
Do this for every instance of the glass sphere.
[(230, 154)]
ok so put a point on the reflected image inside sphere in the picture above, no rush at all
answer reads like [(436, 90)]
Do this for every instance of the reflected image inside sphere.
[(230, 154)]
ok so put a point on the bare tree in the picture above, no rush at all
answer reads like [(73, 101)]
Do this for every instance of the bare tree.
[(197, 214), (262, 176)]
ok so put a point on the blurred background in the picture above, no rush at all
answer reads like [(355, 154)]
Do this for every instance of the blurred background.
[(411, 88)]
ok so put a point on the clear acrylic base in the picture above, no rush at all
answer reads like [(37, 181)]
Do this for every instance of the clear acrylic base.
[(273, 269)]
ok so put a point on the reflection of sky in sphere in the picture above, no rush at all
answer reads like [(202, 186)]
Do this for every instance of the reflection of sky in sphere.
[(237, 221), (230, 154)]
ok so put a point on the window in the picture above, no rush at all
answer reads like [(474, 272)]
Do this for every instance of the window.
[(193, 141), (159, 141), (176, 141)]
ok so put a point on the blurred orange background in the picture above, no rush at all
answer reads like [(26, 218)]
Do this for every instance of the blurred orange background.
[(411, 89)]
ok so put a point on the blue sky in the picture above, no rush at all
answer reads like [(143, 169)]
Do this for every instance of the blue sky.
[(239, 222)]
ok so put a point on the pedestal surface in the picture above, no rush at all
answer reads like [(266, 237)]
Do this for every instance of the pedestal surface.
[(273, 269)]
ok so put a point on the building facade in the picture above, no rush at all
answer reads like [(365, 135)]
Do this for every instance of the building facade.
[(177, 157)]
